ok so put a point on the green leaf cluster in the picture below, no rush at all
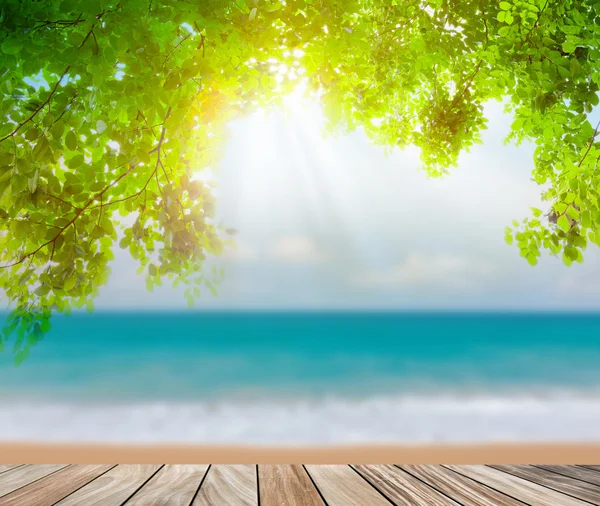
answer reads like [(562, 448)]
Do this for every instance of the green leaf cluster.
[(113, 107)]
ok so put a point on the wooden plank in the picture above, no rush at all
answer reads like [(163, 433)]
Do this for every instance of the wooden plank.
[(8, 467), (401, 488), (526, 491), (571, 486), (463, 490), (341, 486), (24, 475), (51, 489), (113, 487), (228, 485), (289, 485), (173, 485), (593, 468), (579, 473)]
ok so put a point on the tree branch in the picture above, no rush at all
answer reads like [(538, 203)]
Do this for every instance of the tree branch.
[(34, 113), (158, 162), (175, 48), (590, 144), (97, 196), (78, 213)]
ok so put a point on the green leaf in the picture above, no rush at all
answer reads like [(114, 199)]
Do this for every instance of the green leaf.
[(571, 252), (505, 6), (69, 283), (98, 232), (20, 356), (212, 288), (586, 219), (12, 45), (573, 213), (42, 151), (563, 223), (580, 242), (32, 182), (71, 140), (560, 207), (575, 67), (76, 161)]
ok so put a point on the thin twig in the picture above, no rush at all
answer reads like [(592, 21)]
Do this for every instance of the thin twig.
[(34, 113), (71, 222), (175, 48), (590, 144)]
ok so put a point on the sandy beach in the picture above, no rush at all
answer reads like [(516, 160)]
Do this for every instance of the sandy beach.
[(550, 453)]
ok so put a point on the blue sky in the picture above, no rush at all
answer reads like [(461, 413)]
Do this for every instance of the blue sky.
[(335, 223)]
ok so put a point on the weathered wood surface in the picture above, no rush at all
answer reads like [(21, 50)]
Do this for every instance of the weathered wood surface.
[(464, 490), (113, 487), (571, 486), (580, 473), (173, 485), (402, 488), (7, 467), (229, 485), (526, 491), (289, 485), (342, 486), (19, 477), (52, 488), (295, 485)]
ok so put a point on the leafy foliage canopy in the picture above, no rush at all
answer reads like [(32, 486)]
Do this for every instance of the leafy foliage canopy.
[(110, 109)]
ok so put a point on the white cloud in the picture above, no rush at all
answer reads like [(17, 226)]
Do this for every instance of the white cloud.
[(297, 249), (443, 270), (240, 251)]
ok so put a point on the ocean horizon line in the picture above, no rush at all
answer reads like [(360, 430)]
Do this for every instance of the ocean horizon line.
[(333, 311)]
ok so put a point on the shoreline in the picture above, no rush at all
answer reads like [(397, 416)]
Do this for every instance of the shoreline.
[(496, 453)]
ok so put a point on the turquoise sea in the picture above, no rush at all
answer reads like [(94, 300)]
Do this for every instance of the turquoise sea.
[(307, 377)]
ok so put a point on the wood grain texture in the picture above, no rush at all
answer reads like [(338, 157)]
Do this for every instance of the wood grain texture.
[(580, 473), (342, 486), (112, 488), (173, 485), (23, 475), (593, 468), (402, 488), (530, 493), (286, 486), (463, 490), (577, 488), (8, 467), (51, 489), (228, 485)]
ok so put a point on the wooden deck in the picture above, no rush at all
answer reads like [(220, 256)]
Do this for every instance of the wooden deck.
[(295, 485)]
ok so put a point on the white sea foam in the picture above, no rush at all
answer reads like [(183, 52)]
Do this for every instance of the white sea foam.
[(326, 421)]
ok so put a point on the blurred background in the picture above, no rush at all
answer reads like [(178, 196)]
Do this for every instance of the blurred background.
[(364, 303)]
